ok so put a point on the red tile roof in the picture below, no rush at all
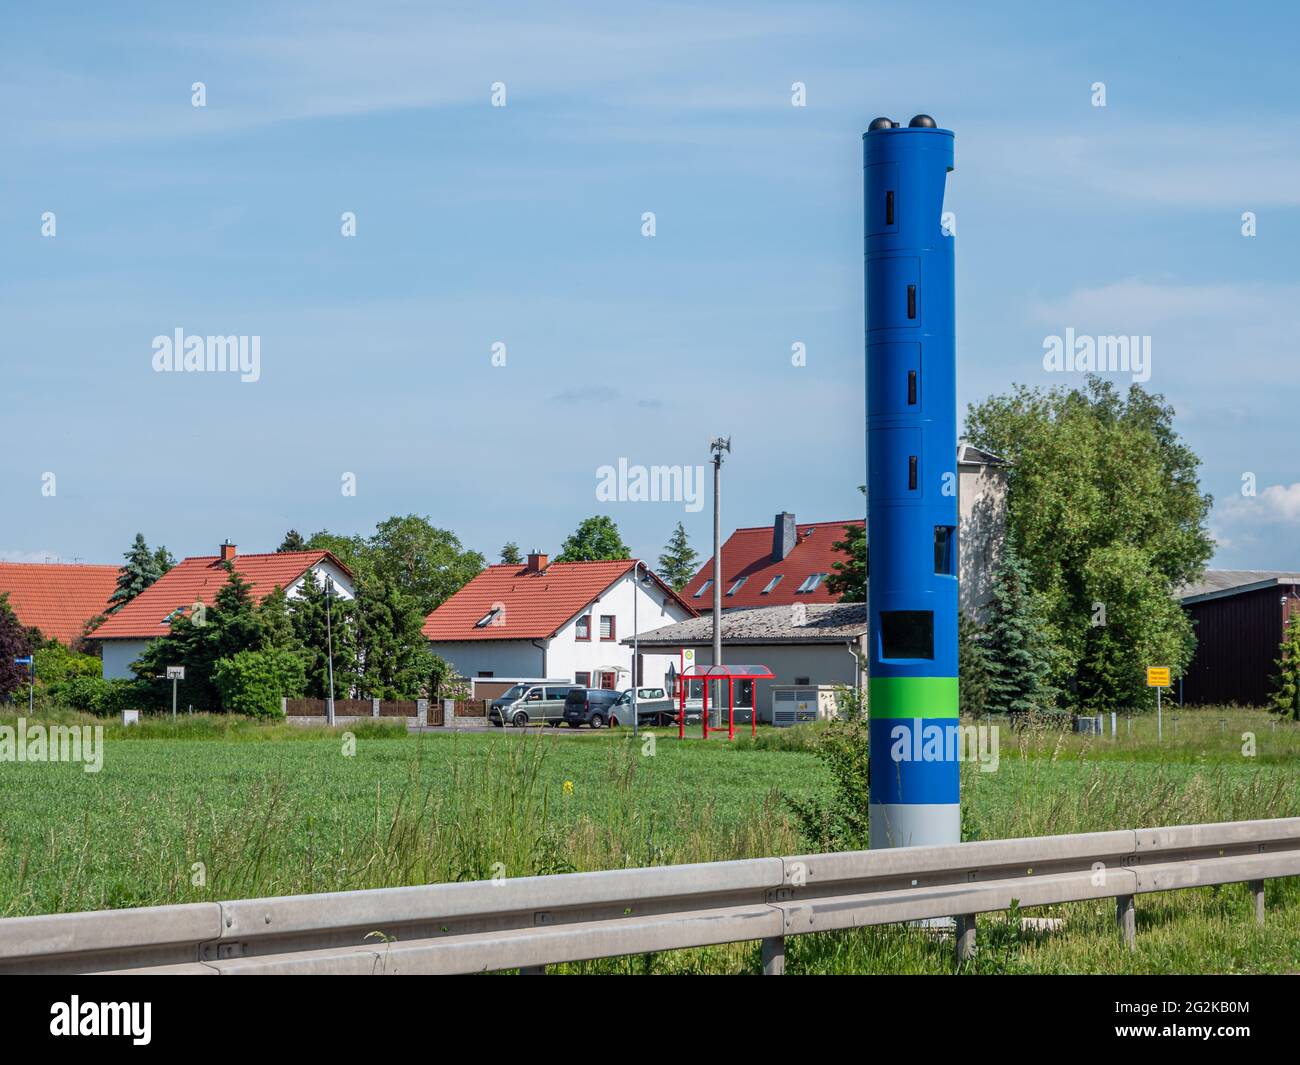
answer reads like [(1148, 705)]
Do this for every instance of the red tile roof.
[(57, 599), (198, 580), (536, 604), (748, 553)]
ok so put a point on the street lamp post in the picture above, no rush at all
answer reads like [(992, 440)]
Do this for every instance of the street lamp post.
[(717, 446), (329, 650), (636, 642)]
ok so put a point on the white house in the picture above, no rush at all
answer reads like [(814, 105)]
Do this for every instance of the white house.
[(197, 580), (566, 620)]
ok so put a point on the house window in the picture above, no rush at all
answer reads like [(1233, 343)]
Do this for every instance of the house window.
[(802, 680), (736, 587), (607, 627), (582, 679), (489, 617), (703, 588), (811, 582), (583, 628), (773, 583), (608, 681), (486, 673)]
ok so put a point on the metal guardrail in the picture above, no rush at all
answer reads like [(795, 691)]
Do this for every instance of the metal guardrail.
[(532, 922)]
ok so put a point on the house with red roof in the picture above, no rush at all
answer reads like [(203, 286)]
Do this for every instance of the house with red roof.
[(562, 620), (788, 562), (57, 598), (197, 580)]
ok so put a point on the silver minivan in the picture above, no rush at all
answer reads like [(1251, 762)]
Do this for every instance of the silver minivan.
[(526, 704)]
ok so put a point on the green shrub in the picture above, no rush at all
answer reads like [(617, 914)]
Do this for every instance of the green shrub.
[(840, 822), (95, 695), (253, 682)]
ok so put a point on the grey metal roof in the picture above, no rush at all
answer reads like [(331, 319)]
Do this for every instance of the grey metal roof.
[(1218, 583), (822, 623), (969, 454)]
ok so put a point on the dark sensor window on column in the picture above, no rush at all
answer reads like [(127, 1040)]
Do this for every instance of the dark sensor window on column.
[(911, 388), (906, 634), (911, 473), (889, 208), (911, 301)]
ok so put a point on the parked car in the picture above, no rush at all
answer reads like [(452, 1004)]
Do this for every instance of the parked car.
[(526, 704), (654, 706), (596, 707)]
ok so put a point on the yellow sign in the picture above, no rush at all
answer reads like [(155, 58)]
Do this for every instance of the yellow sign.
[(1157, 676)]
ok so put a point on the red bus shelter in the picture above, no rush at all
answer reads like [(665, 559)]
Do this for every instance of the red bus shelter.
[(730, 674)]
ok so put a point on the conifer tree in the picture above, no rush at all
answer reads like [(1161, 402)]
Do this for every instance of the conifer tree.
[(973, 665), (677, 564), (1019, 641), (143, 567)]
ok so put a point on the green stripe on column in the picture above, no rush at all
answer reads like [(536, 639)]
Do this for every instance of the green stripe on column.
[(913, 697)]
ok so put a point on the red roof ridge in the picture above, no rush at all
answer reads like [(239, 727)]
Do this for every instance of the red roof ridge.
[(799, 525)]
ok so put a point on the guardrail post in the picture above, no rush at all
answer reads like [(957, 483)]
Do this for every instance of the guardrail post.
[(963, 935), (532, 970), (774, 956), (1257, 886), (1126, 918)]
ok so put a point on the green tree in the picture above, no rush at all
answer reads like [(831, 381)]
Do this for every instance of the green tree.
[(424, 562), (1105, 508), (1019, 641), (352, 551), (973, 666), (396, 662), (595, 539), (143, 567), (848, 578), (198, 640), (1286, 685), (56, 663), (254, 682), (326, 630), (510, 555), (677, 564), (16, 641), (292, 541)]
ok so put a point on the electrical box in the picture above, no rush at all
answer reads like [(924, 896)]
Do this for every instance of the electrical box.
[(795, 704)]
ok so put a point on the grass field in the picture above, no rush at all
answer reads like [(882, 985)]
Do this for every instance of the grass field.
[(214, 808)]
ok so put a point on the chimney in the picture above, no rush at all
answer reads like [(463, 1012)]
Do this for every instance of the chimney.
[(783, 535), (536, 562), (227, 551)]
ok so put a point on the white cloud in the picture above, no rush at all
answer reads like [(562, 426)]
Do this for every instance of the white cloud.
[(1151, 162), (8, 555)]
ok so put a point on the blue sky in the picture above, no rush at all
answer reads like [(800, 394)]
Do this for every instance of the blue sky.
[(522, 225)]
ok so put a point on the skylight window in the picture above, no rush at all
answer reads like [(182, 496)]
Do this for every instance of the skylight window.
[(811, 582), (703, 588), (773, 583), (489, 617), (736, 587)]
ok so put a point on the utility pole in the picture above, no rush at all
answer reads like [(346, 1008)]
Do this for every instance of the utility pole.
[(329, 650), (636, 644), (717, 446)]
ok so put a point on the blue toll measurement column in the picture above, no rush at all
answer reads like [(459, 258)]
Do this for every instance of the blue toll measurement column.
[(911, 486)]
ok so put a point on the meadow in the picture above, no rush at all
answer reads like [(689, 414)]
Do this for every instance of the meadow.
[(218, 808)]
